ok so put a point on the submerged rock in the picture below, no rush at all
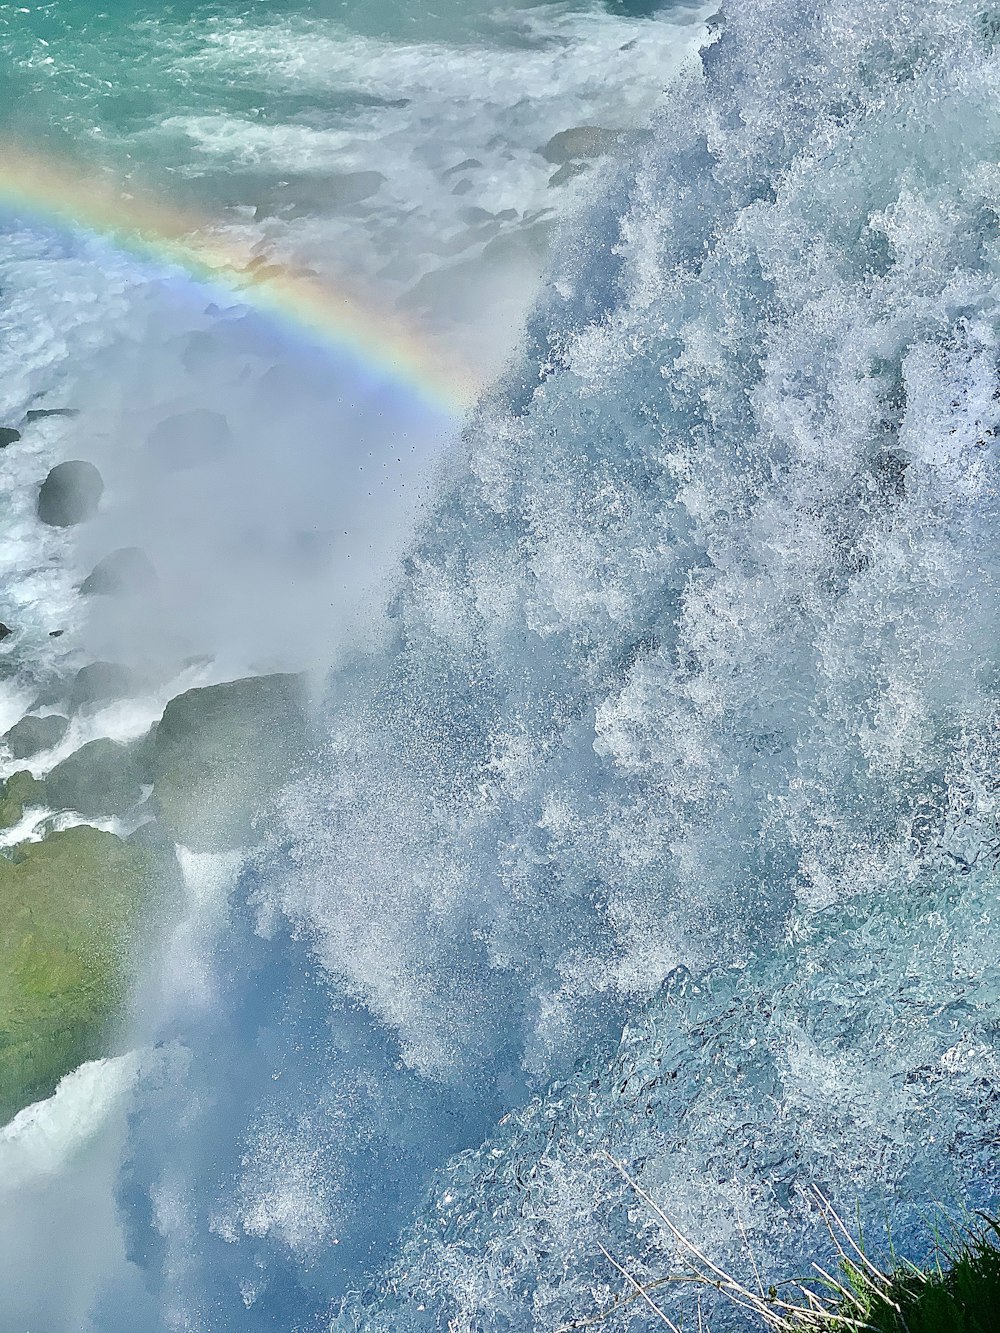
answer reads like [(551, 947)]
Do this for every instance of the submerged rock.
[(126, 570), (101, 683), (103, 777), (580, 141), (70, 494), (18, 793), (220, 753), (66, 934), (32, 735), (190, 439), (567, 172)]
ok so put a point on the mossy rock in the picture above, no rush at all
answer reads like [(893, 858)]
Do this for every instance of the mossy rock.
[(220, 754), (128, 570), (71, 907), (17, 794), (103, 777)]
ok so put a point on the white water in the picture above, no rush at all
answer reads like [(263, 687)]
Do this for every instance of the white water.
[(681, 719)]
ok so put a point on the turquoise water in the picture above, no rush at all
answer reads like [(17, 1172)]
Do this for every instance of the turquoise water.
[(653, 808)]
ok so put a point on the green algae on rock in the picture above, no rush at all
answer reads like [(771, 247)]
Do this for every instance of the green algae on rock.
[(20, 791), (71, 910), (219, 754)]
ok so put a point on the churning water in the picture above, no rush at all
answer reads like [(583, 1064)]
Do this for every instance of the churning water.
[(652, 810)]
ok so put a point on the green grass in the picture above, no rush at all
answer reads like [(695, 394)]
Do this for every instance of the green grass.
[(69, 906), (957, 1291)]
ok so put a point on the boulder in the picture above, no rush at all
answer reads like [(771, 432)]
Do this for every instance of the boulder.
[(70, 494), (32, 735), (190, 439), (5, 631), (128, 569), (580, 142), (101, 683), (103, 777), (220, 754), (17, 794), (8, 436), (67, 931)]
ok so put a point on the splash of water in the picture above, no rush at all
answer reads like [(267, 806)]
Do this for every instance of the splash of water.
[(685, 723)]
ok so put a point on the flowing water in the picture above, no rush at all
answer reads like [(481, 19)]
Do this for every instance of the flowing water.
[(650, 811)]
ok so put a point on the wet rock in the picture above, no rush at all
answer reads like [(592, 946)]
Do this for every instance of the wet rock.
[(529, 243), (32, 735), (582, 141), (5, 631), (56, 633), (70, 494), (128, 570), (469, 164), (20, 792), (70, 908), (477, 217), (101, 683), (40, 413), (8, 436), (567, 172), (103, 777), (220, 754), (191, 439)]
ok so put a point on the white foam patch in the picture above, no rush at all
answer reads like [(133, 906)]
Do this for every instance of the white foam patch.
[(44, 1139)]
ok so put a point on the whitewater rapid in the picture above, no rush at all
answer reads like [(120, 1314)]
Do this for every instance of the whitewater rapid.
[(658, 819)]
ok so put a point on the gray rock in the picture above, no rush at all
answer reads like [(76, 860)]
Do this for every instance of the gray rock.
[(567, 172), (8, 436), (220, 754), (580, 141), (70, 494), (101, 778), (40, 413), (101, 683), (126, 570), (191, 439), (32, 735), (5, 631)]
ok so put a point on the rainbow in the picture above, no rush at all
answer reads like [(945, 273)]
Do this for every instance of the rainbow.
[(62, 196)]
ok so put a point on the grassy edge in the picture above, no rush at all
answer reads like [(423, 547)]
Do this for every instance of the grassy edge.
[(958, 1293)]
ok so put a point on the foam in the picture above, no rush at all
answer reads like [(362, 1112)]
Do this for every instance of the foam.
[(44, 1139)]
